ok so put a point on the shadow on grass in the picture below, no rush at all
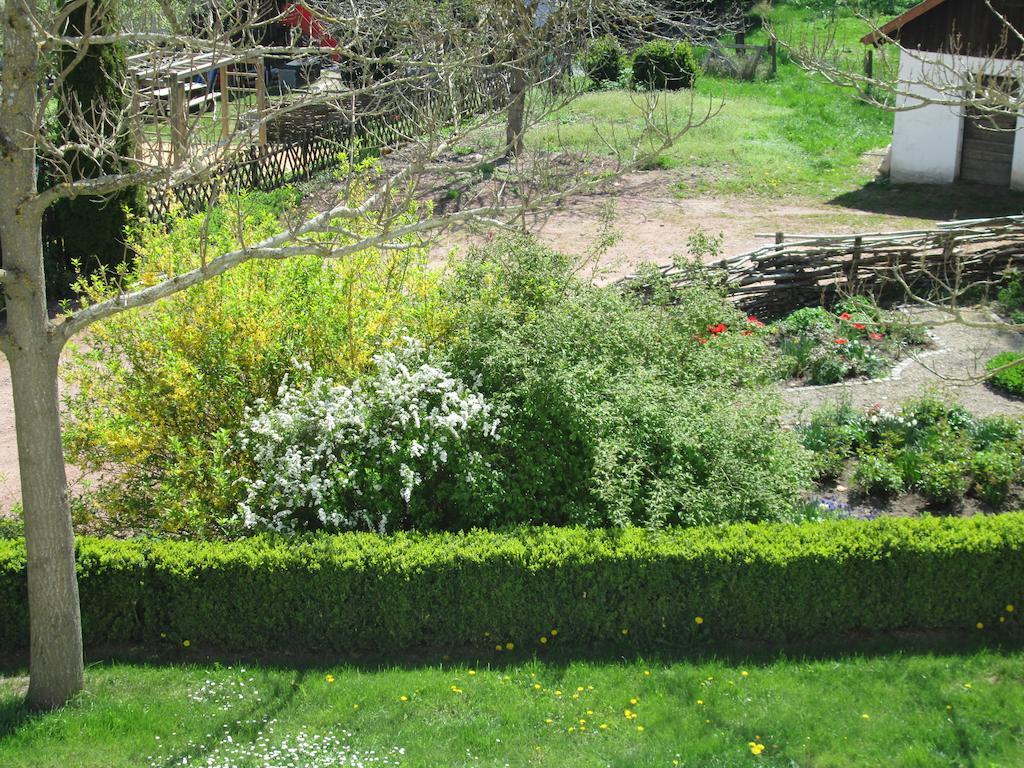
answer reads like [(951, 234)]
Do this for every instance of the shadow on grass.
[(563, 653), (925, 201)]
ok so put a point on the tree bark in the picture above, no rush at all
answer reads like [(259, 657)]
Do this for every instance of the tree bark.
[(33, 349), (515, 123)]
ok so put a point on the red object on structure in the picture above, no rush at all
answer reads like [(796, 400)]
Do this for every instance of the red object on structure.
[(299, 16)]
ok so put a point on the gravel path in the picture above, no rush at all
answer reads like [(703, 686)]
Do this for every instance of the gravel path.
[(953, 368)]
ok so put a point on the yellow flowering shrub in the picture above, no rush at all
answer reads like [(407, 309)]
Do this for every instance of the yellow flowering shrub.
[(157, 396)]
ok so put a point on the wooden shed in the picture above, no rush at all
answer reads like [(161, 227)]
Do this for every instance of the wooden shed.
[(952, 49)]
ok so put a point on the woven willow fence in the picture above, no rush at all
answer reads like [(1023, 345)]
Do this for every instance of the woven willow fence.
[(802, 271)]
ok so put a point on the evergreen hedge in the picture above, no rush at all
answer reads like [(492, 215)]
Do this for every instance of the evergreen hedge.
[(772, 582)]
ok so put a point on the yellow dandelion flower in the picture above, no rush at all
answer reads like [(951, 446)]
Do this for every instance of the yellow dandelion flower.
[(403, 698), (1009, 608), (329, 678), (634, 701), (590, 687), (698, 620), (968, 686), (590, 711), (554, 633), (949, 707), (603, 726), (640, 728), (744, 673), (543, 641), (558, 693), (647, 673), (700, 702), (548, 720), (572, 728), (355, 706), (471, 672), (980, 625), (1002, 619), (583, 721), (497, 647), (866, 716), (186, 643), (536, 686), (625, 631), (510, 646), (756, 749)]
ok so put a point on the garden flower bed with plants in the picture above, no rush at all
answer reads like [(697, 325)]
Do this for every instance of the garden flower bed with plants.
[(927, 457), (858, 339)]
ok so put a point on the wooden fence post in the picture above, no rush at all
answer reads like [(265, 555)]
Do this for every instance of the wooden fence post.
[(869, 69), (851, 277), (261, 100)]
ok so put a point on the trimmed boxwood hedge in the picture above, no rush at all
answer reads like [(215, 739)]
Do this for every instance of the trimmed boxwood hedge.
[(360, 591)]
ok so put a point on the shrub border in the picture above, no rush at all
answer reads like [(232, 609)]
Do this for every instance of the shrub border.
[(772, 582)]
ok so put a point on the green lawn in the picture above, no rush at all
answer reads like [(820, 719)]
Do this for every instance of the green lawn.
[(793, 135), (892, 709)]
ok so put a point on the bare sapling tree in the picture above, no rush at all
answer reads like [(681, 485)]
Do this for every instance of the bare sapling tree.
[(415, 80)]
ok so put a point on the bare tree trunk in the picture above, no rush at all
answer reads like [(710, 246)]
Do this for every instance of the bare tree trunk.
[(55, 672), (515, 124), (54, 615)]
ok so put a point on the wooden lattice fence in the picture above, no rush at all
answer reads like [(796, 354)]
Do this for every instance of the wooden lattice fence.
[(310, 139), (815, 270)]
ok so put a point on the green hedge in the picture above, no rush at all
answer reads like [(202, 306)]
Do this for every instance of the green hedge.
[(359, 591)]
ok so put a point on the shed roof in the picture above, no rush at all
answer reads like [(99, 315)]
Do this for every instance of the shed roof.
[(883, 33)]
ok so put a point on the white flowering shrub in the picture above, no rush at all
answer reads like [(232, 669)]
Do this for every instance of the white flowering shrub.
[(401, 449)]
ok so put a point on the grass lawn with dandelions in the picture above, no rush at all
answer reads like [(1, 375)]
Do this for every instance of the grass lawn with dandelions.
[(884, 709)]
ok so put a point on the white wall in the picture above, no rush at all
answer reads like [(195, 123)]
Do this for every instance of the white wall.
[(926, 140)]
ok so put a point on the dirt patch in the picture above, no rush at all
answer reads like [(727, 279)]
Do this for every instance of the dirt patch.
[(655, 222)]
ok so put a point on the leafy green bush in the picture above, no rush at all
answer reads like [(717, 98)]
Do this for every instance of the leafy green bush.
[(1011, 296), (834, 432), (602, 59), (877, 475), (662, 65), (618, 412), (158, 395), (942, 482), (1007, 372), (994, 472), (398, 593)]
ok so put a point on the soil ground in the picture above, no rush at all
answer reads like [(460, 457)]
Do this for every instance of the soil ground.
[(654, 222)]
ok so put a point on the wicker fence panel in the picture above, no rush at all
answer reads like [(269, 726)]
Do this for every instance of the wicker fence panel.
[(816, 270)]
